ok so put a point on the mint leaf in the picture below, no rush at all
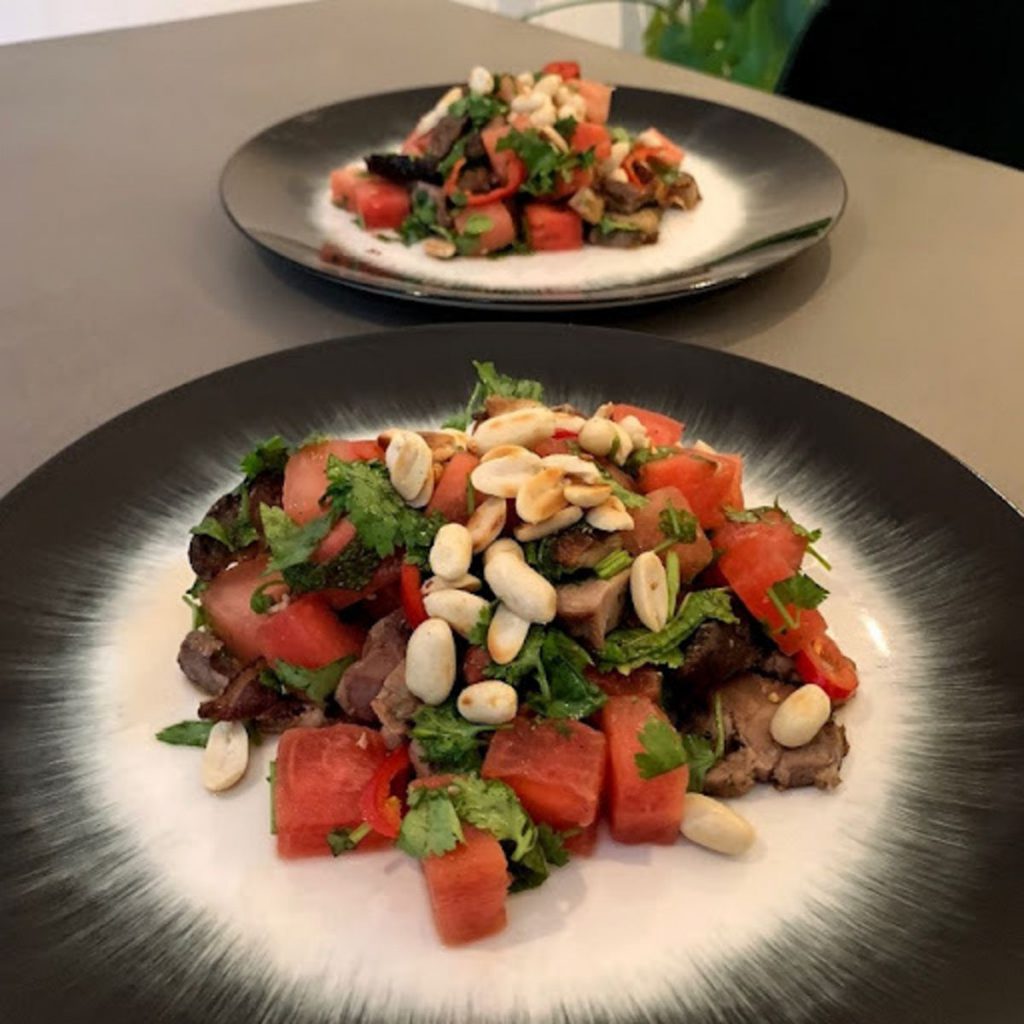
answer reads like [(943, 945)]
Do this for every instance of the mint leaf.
[(629, 649), (186, 734)]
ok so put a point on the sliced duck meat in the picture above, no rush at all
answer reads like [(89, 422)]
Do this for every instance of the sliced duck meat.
[(589, 610), (246, 699), (779, 666), (206, 662), (683, 192), (578, 548), (624, 196), (383, 651), (473, 148), (748, 704), (394, 706), (443, 135), (207, 555), (717, 652), (475, 180), (404, 169)]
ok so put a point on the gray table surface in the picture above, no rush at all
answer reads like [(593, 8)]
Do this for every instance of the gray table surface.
[(120, 276)]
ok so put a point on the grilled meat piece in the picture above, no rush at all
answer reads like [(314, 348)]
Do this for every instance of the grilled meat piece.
[(383, 652), (640, 228), (577, 548), (624, 196), (748, 704), (206, 662), (402, 169), (394, 706), (589, 610), (443, 135), (476, 180), (717, 652), (246, 699)]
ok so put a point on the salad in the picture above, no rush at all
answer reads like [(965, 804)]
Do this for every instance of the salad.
[(480, 641), (518, 163)]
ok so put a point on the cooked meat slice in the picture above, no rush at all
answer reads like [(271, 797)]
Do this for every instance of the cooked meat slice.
[(206, 662), (209, 556), (624, 197), (246, 699), (285, 716), (394, 706), (631, 229), (589, 610), (475, 179), (495, 405), (383, 651), (748, 704), (619, 475), (717, 652), (404, 169), (474, 148), (779, 666), (817, 763), (683, 192), (420, 765), (443, 135), (577, 548)]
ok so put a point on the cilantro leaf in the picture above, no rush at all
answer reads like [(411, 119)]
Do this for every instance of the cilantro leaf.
[(568, 692), (772, 514), (545, 163), (186, 734), (493, 806), (663, 749), (641, 456), (317, 683), (455, 154), (448, 741), (234, 533), (341, 840), (430, 827), (199, 617), (620, 134), (628, 498), (352, 569), (491, 382), (608, 225), (289, 543), (612, 564), (677, 525), (526, 664), (267, 457), (421, 221), (701, 755), (540, 555), (478, 634), (479, 109), (628, 649), (384, 522), (798, 591)]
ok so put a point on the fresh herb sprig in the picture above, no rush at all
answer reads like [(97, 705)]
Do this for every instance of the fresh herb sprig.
[(491, 382)]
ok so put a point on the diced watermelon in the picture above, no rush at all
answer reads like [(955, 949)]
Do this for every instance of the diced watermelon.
[(500, 234), (340, 536), (468, 887), (552, 228), (308, 634), (450, 496), (642, 682), (582, 844), (556, 769), (591, 136), (647, 533), (661, 429), (710, 481), (343, 184), (321, 775), (381, 205), (639, 810), (305, 474), (226, 603), (598, 98), (773, 532)]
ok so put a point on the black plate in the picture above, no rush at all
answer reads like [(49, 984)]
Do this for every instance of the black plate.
[(792, 193), (923, 922)]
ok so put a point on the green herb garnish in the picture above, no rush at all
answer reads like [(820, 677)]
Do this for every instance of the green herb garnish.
[(491, 382), (341, 840), (269, 456), (186, 734), (449, 743)]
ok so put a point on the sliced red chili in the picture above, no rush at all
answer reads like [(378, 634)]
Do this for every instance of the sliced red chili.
[(412, 598), (381, 809)]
